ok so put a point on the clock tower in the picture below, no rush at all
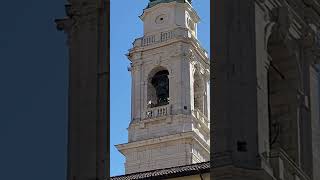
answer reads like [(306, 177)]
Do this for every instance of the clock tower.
[(170, 91)]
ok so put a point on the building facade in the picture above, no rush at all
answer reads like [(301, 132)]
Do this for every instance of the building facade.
[(170, 91), (266, 90), (86, 26)]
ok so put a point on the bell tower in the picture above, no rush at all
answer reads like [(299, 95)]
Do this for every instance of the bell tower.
[(170, 90)]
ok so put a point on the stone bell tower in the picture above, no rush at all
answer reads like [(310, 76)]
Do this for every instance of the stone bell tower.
[(170, 90)]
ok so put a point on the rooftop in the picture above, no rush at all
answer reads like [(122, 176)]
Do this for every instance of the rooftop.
[(172, 172)]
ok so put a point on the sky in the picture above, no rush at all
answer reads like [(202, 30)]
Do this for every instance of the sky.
[(33, 91), (125, 27)]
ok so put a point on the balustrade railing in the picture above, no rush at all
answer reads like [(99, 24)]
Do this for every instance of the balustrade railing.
[(288, 164), (157, 111), (148, 40), (202, 117), (161, 37), (165, 36)]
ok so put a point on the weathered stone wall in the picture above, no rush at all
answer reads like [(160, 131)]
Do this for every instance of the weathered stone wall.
[(275, 42), (161, 126), (158, 156), (164, 152), (315, 94), (88, 84)]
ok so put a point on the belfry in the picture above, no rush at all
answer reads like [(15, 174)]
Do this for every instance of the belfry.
[(170, 91)]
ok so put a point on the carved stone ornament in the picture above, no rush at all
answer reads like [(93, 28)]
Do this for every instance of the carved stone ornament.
[(65, 25), (157, 62), (268, 31), (311, 46), (308, 38), (189, 54), (79, 14), (309, 15), (198, 67), (280, 23), (175, 51), (137, 55)]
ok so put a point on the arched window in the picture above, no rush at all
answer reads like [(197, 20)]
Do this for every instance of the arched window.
[(199, 93), (284, 106), (158, 88)]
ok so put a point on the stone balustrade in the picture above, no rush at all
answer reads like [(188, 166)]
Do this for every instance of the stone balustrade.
[(202, 117), (166, 36), (157, 111), (160, 37), (286, 167)]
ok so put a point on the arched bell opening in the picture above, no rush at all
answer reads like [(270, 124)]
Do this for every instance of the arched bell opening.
[(158, 87), (283, 88), (199, 91)]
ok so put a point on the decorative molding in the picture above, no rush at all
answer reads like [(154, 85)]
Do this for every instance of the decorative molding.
[(79, 14), (283, 20), (311, 46)]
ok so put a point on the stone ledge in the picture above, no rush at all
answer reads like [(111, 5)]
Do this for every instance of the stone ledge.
[(185, 135), (232, 172)]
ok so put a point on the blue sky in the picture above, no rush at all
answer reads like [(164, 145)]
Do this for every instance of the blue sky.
[(125, 27), (33, 91)]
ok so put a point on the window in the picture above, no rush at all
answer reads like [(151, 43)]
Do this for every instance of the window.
[(199, 93), (161, 19), (242, 146), (191, 24), (158, 89)]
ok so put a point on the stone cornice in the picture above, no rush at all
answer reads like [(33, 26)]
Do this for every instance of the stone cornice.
[(186, 5), (168, 43), (301, 13), (156, 41), (78, 14), (185, 135), (136, 144), (287, 160)]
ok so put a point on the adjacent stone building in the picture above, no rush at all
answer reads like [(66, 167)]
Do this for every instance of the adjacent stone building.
[(86, 26), (265, 89)]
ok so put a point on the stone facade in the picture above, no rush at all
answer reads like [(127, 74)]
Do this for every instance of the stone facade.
[(315, 116), (85, 25), (205, 176), (265, 95), (177, 132)]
